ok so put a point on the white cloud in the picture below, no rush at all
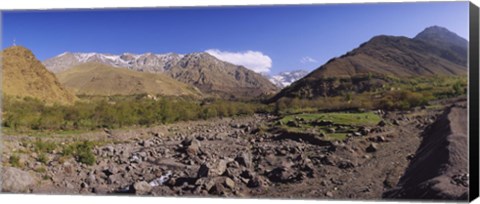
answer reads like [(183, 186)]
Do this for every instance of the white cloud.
[(253, 60), (307, 59)]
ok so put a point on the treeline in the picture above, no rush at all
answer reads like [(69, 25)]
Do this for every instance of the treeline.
[(117, 112), (396, 95)]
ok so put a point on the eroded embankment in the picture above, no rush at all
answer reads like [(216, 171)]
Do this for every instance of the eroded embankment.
[(439, 170)]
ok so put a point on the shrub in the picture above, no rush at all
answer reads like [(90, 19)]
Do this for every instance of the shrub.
[(81, 151), (41, 146), (14, 160), (42, 158)]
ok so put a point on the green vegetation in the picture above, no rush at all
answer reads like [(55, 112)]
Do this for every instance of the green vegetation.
[(397, 94), (356, 119), (14, 161), (41, 146), (116, 112), (334, 126), (42, 158), (81, 151)]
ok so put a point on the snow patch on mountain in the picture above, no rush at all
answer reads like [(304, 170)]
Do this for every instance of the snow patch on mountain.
[(284, 79)]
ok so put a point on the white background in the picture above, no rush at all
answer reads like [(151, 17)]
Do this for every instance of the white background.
[(58, 4)]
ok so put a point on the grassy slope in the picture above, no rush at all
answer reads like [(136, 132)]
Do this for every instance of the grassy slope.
[(98, 79), (24, 76)]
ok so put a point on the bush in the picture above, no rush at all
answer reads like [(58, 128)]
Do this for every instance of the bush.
[(42, 158), (14, 160), (81, 151), (41, 146)]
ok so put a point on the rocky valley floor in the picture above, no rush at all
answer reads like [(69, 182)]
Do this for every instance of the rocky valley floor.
[(229, 157)]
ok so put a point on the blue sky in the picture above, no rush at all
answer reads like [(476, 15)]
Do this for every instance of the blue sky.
[(267, 38)]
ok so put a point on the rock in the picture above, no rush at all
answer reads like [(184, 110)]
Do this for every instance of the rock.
[(345, 165), (372, 148), (220, 167), (203, 171), (293, 124), (331, 130), (255, 182), (142, 188), (217, 189), (381, 123), (357, 134), (380, 139), (282, 175), (364, 131), (229, 183), (108, 131), (109, 149), (193, 148), (16, 181), (395, 122), (67, 168), (329, 194), (244, 159)]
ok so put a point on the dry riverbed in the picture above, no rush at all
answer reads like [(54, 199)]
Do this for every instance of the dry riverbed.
[(232, 157)]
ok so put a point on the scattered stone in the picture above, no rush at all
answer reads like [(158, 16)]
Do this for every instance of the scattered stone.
[(244, 159), (329, 194), (203, 171), (229, 183), (345, 165), (372, 148), (142, 188)]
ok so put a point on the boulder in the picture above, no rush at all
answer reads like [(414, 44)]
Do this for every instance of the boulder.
[(142, 188), (16, 181)]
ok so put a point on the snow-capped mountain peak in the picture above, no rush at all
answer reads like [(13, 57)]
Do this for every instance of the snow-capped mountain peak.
[(284, 79), (148, 62)]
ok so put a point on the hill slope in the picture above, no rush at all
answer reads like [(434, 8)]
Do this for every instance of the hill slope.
[(220, 78), (211, 75), (100, 79), (24, 76), (400, 57)]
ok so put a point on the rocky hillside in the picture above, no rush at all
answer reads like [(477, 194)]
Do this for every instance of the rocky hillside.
[(430, 53), (220, 78), (211, 75), (284, 79), (100, 79), (25, 76)]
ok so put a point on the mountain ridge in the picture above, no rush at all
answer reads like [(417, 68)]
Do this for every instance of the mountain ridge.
[(209, 74), (383, 55)]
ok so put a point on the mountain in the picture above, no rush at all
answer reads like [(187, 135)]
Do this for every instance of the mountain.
[(25, 76), (100, 79), (433, 52), (209, 74), (148, 62), (220, 78), (284, 79), (447, 40)]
